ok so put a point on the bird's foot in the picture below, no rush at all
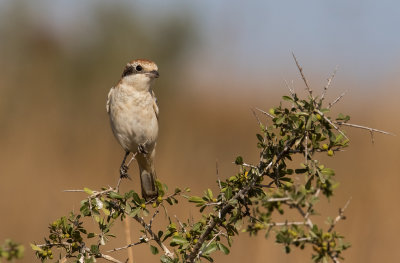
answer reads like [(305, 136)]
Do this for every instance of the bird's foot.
[(142, 149), (123, 171)]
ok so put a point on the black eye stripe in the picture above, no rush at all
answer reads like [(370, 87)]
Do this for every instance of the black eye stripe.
[(128, 71)]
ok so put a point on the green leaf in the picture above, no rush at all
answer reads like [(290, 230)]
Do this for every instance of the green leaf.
[(210, 248), (223, 248), (228, 193), (88, 191), (209, 193), (309, 122), (91, 235), (134, 212), (343, 117), (178, 240), (328, 171), (287, 98), (196, 199), (94, 249), (239, 160), (280, 120), (36, 248), (154, 250), (136, 198), (308, 184), (300, 171), (115, 195)]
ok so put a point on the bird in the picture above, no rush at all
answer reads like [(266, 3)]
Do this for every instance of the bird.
[(133, 111)]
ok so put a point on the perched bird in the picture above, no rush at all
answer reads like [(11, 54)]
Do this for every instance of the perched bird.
[(132, 107)]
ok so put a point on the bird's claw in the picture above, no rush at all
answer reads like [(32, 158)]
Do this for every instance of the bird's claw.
[(123, 171), (142, 149)]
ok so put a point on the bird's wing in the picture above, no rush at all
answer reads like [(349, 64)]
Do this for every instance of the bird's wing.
[(155, 104), (108, 99)]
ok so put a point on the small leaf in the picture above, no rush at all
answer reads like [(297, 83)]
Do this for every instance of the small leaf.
[(196, 199), (178, 240), (287, 98), (88, 191), (223, 248), (36, 248), (94, 249), (280, 120), (154, 250), (239, 160), (209, 194), (134, 212), (115, 195), (328, 171), (210, 248), (136, 198), (228, 193)]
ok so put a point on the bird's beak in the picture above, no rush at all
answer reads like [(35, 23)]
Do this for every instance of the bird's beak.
[(154, 74)]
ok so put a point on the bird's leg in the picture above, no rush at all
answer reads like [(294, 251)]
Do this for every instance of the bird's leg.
[(123, 170)]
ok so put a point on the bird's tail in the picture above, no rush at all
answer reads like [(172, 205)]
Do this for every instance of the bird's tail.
[(147, 176)]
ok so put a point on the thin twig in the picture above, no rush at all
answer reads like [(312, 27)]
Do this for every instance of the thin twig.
[(310, 205), (180, 223), (340, 216), (255, 116), (302, 75), (337, 99), (291, 89), (281, 199), (308, 221), (328, 84), (331, 123), (266, 113), (363, 127), (248, 165), (106, 257), (306, 149), (128, 246), (154, 236), (154, 216), (208, 244), (286, 223), (132, 158)]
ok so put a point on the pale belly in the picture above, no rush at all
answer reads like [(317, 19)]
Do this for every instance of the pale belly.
[(134, 124)]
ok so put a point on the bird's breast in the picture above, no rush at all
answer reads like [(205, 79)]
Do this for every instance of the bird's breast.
[(133, 119)]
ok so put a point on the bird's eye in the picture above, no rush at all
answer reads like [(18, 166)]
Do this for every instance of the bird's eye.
[(139, 68)]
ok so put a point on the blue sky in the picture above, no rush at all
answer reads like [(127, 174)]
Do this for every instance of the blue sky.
[(361, 36)]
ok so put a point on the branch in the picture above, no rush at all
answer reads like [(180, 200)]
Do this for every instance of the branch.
[(154, 236), (340, 216), (266, 113), (337, 99), (286, 223), (331, 123), (227, 207), (302, 75), (363, 127), (328, 84), (142, 241)]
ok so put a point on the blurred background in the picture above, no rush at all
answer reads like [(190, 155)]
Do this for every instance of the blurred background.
[(217, 60)]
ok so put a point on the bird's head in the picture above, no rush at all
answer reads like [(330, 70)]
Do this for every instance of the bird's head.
[(140, 73)]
